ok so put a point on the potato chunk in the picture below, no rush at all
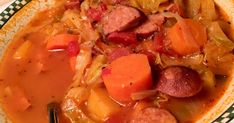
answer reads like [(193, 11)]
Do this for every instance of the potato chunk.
[(23, 50), (100, 105)]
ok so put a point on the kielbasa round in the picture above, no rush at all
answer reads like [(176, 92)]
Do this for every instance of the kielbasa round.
[(153, 115), (121, 18), (178, 81), (153, 23)]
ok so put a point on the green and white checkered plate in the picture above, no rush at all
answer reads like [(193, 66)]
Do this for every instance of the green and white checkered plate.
[(11, 10), (6, 14), (227, 116)]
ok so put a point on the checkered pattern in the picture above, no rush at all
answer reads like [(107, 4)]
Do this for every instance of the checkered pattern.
[(227, 116), (11, 10)]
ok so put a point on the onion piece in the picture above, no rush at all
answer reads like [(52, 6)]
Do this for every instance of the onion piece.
[(192, 7), (94, 72), (196, 59), (83, 59), (81, 24), (143, 94), (172, 15), (147, 6), (160, 99), (74, 113), (217, 35), (208, 10)]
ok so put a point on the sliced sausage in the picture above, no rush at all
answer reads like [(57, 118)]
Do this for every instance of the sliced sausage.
[(153, 115), (125, 38), (73, 4), (96, 14), (119, 52), (121, 18), (178, 81), (153, 24)]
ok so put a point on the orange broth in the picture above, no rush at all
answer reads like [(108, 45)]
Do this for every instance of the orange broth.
[(45, 76)]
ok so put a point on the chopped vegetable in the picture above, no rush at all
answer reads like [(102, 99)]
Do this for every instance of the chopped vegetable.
[(206, 75), (17, 97), (172, 15), (160, 99), (73, 63), (147, 6), (23, 50), (227, 29), (82, 25), (74, 113), (175, 8), (83, 59), (127, 75), (151, 57), (140, 105), (217, 35), (60, 41), (180, 3), (225, 7), (187, 37), (218, 59), (78, 94), (105, 48), (100, 106), (218, 51), (146, 45), (143, 94), (95, 70), (192, 7), (208, 79), (208, 10), (196, 59)]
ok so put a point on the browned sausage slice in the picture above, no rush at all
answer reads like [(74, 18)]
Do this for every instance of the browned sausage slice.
[(151, 25), (153, 115), (178, 81), (121, 18)]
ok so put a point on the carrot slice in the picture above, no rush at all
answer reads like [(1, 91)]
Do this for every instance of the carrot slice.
[(126, 75), (73, 63), (187, 36), (60, 41)]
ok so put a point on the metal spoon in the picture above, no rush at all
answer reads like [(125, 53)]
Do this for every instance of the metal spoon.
[(53, 109)]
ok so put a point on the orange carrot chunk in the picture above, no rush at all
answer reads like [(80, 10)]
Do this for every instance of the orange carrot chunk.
[(126, 75), (73, 63), (60, 41), (187, 36)]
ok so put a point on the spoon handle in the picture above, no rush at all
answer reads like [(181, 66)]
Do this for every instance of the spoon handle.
[(52, 113)]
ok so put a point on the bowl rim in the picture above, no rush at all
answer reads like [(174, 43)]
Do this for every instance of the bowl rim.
[(222, 111)]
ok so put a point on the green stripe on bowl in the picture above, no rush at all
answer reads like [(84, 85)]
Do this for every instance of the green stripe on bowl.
[(226, 117), (11, 10)]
